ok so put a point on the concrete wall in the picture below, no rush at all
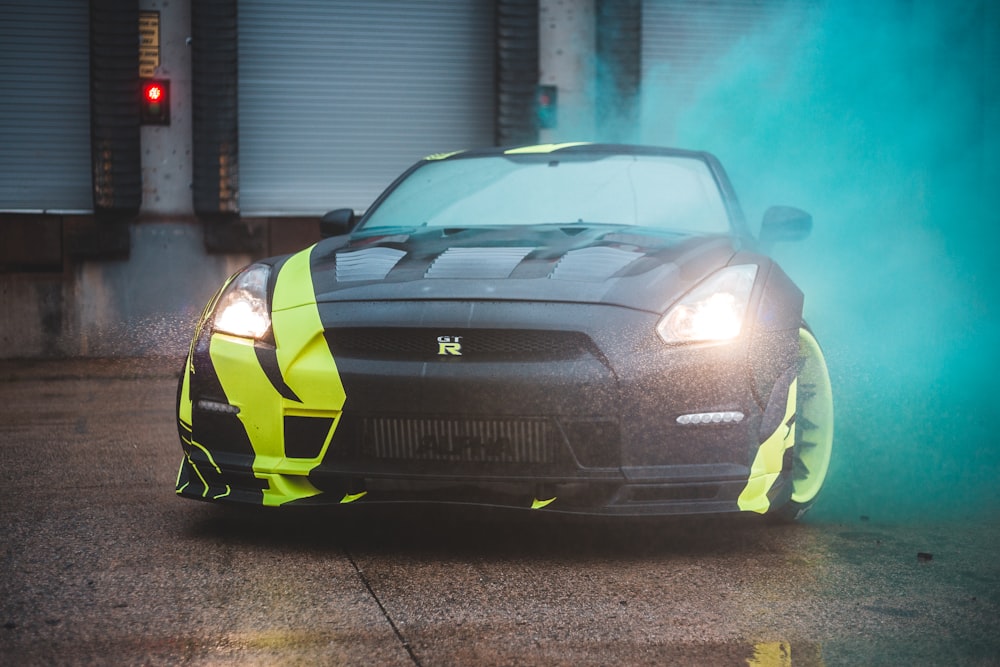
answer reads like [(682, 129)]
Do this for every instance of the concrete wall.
[(145, 305), (167, 169), (567, 36)]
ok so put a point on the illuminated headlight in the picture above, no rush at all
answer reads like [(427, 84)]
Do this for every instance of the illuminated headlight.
[(713, 311), (242, 309)]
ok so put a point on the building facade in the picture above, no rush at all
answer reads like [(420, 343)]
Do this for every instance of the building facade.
[(119, 217)]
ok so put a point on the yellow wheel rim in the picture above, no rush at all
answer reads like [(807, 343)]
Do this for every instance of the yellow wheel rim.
[(813, 421)]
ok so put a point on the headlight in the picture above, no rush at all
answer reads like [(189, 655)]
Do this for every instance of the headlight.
[(713, 311), (242, 309)]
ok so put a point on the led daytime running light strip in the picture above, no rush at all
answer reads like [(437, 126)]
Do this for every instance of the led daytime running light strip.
[(731, 417), (220, 408)]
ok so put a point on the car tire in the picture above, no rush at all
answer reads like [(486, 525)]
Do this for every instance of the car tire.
[(811, 453)]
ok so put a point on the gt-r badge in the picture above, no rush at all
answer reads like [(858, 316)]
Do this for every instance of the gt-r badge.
[(450, 346)]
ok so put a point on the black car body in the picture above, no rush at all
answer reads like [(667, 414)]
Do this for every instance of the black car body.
[(582, 328)]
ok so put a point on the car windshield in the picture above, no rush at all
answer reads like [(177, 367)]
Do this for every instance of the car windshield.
[(666, 192)]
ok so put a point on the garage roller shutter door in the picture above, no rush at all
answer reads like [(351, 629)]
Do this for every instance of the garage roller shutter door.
[(683, 42), (336, 98), (44, 106), (682, 39)]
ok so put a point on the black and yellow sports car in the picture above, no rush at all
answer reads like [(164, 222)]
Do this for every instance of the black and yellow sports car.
[(581, 328)]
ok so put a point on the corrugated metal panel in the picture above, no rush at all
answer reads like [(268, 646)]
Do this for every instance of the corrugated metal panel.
[(619, 69), (114, 89), (517, 72), (337, 98), (44, 105), (214, 109), (683, 40)]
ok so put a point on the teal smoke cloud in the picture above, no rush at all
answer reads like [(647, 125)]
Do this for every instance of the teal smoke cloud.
[(881, 119)]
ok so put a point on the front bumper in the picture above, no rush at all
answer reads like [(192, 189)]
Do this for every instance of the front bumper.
[(592, 431), (664, 491)]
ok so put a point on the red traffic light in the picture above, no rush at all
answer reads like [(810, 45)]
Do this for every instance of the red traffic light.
[(154, 106), (153, 92)]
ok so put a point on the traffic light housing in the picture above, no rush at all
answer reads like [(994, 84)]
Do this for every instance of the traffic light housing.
[(154, 103), (547, 106)]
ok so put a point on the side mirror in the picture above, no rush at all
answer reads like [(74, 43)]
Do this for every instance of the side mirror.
[(785, 223), (337, 223)]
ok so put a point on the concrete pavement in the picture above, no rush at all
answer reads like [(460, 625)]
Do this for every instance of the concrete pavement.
[(102, 564)]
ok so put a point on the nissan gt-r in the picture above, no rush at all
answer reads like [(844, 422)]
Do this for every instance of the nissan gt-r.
[(580, 328)]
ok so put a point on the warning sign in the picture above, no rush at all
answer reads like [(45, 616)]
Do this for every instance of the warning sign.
[(149, 44)]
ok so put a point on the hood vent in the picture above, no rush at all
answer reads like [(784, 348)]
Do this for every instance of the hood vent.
[(367, 264), (594, 264), (472, 263)]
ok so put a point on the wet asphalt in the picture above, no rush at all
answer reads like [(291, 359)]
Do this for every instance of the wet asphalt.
[(100, 563)]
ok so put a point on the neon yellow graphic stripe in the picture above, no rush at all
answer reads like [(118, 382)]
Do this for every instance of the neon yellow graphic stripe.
[(194, 467), (200, 476), (283, 488), (543, 148), (537, 504), (209, 455), (307, 368), (351, 497), (248, 388), (303, 354), (441, 156), (184, 403), (766, 466), (184, 417)]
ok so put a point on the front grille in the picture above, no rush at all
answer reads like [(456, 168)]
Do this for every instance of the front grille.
[(496, 441), (475, 344)]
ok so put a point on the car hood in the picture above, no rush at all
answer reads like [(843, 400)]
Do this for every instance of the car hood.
[(635, 267)]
